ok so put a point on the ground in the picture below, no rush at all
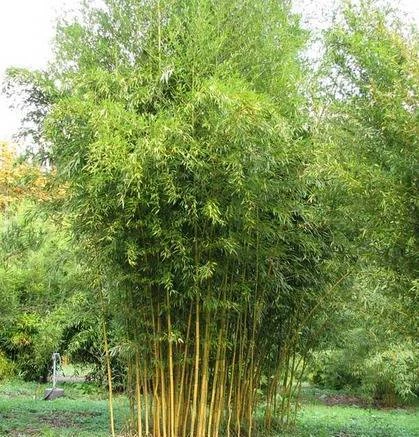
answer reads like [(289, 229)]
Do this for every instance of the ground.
[(83, 413)]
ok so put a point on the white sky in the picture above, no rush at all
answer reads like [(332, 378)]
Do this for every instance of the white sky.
[(27, 28)]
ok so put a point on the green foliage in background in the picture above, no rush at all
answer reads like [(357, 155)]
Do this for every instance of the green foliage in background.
[(370, 135), (43, 290), (366, 159)]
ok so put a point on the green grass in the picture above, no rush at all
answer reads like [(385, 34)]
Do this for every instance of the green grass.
[(83, 412), (318, 420), (354, 419)]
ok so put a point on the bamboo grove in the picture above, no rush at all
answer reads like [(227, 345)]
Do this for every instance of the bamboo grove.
[(179, 131)]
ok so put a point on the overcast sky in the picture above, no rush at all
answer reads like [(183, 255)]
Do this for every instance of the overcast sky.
[(27, 27)]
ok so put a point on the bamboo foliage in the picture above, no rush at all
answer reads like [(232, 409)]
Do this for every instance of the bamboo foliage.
[(178, 129)]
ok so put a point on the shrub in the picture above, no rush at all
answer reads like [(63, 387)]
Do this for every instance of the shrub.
[(389, 376), (392, 375), (6, 367), (335, 368)]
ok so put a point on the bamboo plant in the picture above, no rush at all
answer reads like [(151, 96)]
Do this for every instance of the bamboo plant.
[(178, 128)]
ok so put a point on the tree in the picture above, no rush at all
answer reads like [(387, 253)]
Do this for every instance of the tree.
[(374, 118), (366, 156), (19, 179), (44, 281), (42, 289)]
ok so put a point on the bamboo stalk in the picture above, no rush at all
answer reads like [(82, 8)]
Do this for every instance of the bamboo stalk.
[(220, 392), (182, 379), (156, 399), (188, 404), (138, 394), (230, 393), (162, 378), (240, 380), (290, 384), (131, 398), (146, 400), (204, 382), (196, 381), (109, 375), (214, 384), (171, 381)]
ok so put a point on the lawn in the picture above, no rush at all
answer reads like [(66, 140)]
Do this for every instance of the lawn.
[(318, 420), (83, 413)]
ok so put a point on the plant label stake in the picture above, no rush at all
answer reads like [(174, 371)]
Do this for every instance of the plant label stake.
[(54, 392)]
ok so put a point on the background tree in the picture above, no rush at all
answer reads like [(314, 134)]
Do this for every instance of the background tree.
[(19, 180), (44, 280), (367, 157)]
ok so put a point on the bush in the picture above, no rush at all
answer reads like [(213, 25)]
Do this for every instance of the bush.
[(6, 367), (392, 375), (29, 342), (335, 368), (389, 376)]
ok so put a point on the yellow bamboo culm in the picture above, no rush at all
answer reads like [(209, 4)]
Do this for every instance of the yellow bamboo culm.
[(196, 370), (138, 395), (109, 376), (171, 379)]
